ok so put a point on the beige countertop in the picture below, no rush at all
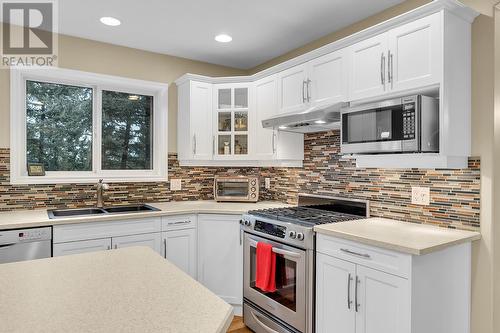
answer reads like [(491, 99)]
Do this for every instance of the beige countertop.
[(126, 290), (37, 218), (410, 238)]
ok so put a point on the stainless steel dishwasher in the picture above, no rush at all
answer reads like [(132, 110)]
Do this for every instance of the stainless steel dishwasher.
[(25, 244)]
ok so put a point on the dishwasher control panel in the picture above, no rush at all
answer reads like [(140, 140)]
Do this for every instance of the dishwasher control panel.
[(25, 235), (34, 234)]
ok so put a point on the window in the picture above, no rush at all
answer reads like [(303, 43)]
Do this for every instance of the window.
[(84, 126)]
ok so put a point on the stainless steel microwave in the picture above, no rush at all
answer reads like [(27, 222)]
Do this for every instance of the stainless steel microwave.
[(239, 188), (403, 125)]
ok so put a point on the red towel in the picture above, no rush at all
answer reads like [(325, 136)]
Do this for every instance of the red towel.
[(265, 278)]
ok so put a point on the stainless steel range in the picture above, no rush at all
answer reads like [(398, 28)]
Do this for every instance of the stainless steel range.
[(290, 232)]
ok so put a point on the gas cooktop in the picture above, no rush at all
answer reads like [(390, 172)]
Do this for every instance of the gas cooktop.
[(304, 215), (313, 210)]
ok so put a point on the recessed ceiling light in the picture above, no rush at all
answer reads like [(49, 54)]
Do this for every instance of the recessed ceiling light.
[(282, 127), (320, 122), (111, 21), (133, 97), (223, 38)]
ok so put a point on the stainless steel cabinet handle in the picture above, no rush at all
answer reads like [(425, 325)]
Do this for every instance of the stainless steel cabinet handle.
[(309, 90), (389, 66), (364, 255), (179, 222), (264, 326), (274, 142), (356, 304), (304, 91), (165, 248), (382, 69), (194, 144), (391, 69), (213, 145), (349, 302)]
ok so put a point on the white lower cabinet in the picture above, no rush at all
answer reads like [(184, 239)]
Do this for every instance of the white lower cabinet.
[(366, 289), (220, 256), (152, 240), (180, 249), (334, 277), (384, 302), (93, 245)]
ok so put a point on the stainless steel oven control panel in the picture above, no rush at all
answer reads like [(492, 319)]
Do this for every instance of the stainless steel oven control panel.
[(289, 233)]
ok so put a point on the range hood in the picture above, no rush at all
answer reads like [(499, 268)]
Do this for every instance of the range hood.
[(314, 119)]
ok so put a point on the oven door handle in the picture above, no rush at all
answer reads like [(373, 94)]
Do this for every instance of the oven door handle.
[(264, 326), (278, 251)]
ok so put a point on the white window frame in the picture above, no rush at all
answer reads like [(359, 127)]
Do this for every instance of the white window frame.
[(99, 82)]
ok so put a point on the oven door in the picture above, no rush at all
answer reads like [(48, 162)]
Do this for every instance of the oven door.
[(288, 302), (384, 127)]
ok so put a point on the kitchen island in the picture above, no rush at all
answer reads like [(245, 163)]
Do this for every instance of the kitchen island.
[(126, 290)]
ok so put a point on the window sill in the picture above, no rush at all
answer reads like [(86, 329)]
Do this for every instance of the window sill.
[(35, 180)]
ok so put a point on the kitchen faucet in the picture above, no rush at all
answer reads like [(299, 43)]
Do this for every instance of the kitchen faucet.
[(100, 189)]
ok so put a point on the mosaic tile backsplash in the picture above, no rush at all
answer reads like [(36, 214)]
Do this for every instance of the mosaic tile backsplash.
[(455, 194)]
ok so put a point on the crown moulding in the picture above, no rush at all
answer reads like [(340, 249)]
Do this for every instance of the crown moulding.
[(452, 6)]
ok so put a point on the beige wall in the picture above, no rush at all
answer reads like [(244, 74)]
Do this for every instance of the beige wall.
[(484, 270), (92, 56)]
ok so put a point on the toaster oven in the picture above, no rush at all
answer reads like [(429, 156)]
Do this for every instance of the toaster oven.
[(237, 189)]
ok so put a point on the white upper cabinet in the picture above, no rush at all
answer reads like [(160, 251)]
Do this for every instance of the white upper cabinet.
[(266, 106), (194, 130), (292, 89), (231, 121), (398, 57), (320, 81), (328, 78), (404, 58), (414, 58), (368, 65)]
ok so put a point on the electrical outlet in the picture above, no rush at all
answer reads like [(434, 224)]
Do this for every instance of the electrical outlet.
[(175, 184), (420, 196), (267, 182)]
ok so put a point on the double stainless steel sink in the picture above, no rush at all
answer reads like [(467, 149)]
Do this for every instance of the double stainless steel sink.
[(79, 212)]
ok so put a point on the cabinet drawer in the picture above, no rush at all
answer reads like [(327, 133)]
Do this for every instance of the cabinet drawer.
[(94, 230), (366, 255), (178, 222)]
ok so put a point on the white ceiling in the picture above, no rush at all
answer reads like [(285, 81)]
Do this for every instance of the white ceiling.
[(261, 29)]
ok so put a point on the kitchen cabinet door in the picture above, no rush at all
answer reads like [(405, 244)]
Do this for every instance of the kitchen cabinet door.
[(292, 92), (328, 78), (64, 249), (152, 240), (220, 256), (335, 280), (415, 59), (201, 120), (180, 249), (384, 302), (266, 106), (368, 67)]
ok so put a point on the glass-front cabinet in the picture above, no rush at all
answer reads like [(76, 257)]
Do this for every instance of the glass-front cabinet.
[(231, 121)]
